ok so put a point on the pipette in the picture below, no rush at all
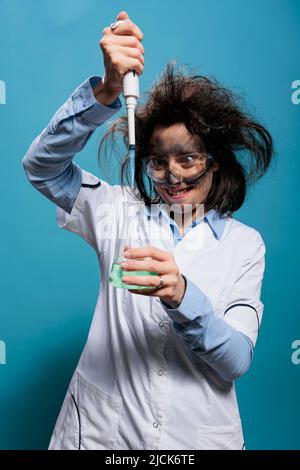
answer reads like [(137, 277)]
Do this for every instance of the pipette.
[(131, 95)]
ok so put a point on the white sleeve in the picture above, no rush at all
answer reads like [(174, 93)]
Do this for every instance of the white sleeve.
[(94, 212), (245, 308)]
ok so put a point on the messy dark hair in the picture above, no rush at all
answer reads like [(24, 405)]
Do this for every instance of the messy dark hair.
[(241, 146)]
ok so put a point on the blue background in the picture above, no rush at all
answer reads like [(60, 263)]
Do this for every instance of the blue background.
[(50, 279)]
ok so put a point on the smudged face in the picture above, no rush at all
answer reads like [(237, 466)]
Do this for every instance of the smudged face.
[(168, 143)]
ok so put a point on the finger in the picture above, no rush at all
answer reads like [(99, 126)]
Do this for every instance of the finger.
[(132, 64), (127, 27), (127, 41), (150, 292), (132, 53), (123, 64), (151, 288), (150, 281), (123, 15), (146, 265), (143, 252)]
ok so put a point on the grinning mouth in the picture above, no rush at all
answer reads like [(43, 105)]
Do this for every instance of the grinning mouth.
[(178, 191)]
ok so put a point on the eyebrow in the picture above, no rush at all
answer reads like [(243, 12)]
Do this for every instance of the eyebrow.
[(176, 149)]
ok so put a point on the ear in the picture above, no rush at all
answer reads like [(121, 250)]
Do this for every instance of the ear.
[(215, 167)]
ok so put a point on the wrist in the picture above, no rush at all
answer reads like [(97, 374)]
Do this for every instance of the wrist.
[(174, 302), (104, 95)]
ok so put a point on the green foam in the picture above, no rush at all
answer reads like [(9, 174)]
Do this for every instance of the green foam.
[(116, 274)]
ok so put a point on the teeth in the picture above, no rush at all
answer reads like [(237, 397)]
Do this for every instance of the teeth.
[(178, 192)]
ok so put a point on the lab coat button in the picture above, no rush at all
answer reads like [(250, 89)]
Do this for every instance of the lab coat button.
[(160, 372), (161, 324), (155, 424)]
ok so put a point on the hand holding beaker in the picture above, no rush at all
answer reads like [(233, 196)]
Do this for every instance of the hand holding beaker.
[(158, 261)]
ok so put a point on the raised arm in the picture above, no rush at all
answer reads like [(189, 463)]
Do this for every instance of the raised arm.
[(48, 162)]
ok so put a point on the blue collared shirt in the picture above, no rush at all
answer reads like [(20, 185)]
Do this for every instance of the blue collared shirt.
[(53, 172), (215, 221)]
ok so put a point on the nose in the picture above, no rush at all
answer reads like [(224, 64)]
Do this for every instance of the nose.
[(172, 163), (173, 179), (173, 175), (173, 167)]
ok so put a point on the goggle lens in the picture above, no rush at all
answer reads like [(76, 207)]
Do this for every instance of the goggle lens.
[(185, 167)]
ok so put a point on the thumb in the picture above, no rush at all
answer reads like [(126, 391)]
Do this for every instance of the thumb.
[(122, 16)]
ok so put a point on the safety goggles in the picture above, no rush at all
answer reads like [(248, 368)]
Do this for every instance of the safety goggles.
[(186, 168)]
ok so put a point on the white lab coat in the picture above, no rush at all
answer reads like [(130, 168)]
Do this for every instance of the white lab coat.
[(136, 386)]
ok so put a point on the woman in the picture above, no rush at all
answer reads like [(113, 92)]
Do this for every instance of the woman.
[(159, 365)]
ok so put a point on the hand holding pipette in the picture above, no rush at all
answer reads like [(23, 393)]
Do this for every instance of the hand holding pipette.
[(122, 52), (123, 56)]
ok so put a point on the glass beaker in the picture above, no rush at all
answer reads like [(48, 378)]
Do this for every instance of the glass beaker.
[(130, 235)]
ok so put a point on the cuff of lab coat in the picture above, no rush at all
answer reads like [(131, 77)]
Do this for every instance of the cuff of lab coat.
[(194, 304), (92, 111)]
